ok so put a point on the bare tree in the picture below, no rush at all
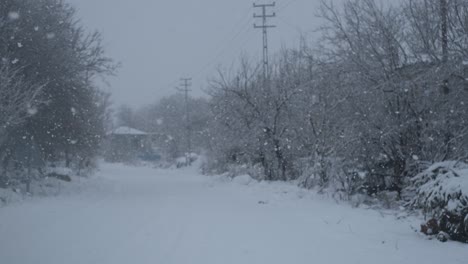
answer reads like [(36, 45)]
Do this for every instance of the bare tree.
[(19, 100)]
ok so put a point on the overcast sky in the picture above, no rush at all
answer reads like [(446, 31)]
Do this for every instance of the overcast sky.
[(158, 41)]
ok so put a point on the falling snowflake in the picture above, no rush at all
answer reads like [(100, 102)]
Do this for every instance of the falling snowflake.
[(50, 35), (14, 61), (13, 15), (32, 110)]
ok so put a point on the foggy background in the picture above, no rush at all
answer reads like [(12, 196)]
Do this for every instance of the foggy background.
[(353, 142), (159, 42)]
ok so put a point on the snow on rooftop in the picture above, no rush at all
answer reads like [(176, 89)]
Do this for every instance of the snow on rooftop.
[(127, 131)]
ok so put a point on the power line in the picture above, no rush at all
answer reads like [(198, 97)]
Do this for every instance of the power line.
[(265, 26), (223, 51), (227, 44), (289, 24), (286, 5)]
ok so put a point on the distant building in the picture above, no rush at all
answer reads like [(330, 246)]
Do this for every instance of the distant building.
[(126, 144)]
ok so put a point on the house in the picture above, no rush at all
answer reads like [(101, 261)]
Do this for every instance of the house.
[(126, 144)]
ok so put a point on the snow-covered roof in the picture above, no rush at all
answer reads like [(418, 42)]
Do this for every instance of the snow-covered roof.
[(127, 131)]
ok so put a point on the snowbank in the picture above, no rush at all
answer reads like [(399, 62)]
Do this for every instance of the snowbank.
[(52, 187), (187, 160), (443, 186), (152, 215), (441, 192), (242, 180), (127, 131), (8, 196)]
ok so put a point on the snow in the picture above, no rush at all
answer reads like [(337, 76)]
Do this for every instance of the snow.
[(127, 131), (48, 187), (181, 160), (145, 215), (443, 185), (13, 15), (50, 35), (242, 180), (8, 196), (32, 110)]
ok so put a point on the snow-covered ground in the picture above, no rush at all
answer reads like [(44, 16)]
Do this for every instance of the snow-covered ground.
[(142, 215)]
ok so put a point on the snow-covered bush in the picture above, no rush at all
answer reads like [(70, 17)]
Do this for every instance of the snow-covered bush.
[(255, 172), (8, 196), (187, 160), (442, 187), (333, 175), (441, 192), (242, 180)]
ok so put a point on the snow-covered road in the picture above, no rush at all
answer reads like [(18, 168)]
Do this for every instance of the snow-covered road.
[(143, 215)]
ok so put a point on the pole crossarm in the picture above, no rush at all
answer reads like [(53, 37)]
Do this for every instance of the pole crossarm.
[(264, 26)]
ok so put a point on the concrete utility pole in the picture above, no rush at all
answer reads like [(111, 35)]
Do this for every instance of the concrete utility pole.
[(186, 83), (265, 26), (444, 29), (444, 40)]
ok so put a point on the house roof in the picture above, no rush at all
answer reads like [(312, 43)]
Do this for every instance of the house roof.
[(123, 130)]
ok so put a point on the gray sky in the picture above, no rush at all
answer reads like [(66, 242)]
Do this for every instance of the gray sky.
[(158, 41)]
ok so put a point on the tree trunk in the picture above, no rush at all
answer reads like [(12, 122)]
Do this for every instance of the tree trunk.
[(67, 157)]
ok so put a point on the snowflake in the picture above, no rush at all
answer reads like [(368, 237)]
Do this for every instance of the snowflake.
[(50, 35), (13, 15), (32, 110)]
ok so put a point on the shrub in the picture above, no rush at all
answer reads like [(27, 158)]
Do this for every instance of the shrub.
[(441, 192)]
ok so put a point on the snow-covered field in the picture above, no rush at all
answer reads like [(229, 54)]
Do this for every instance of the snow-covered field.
[(143, 215)]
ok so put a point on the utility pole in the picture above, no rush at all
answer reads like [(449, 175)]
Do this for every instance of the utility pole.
[(444, 29), (265, 26), (444, 40), (186, 83)]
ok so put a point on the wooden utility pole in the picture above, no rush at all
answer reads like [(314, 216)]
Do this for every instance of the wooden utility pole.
[(265, 26)]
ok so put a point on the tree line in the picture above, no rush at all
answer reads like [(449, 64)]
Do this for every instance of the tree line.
[(381, 96), (51, 111)]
